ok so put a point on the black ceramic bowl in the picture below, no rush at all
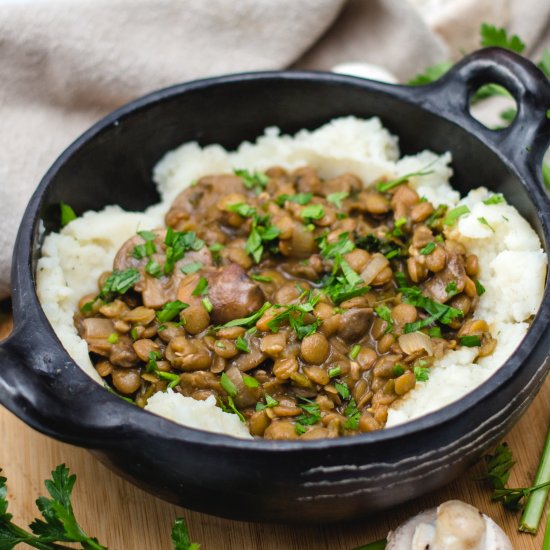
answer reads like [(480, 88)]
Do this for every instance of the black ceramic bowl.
[(287, 481)]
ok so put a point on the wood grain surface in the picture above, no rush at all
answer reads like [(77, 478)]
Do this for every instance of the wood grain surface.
[(126, 518)]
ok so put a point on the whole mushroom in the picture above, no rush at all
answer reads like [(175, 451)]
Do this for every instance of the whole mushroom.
[(453, 525)]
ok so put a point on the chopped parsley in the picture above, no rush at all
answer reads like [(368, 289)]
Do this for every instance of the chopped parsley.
[(201, 288), (353, 414), (498, 198), (311, 413), (370, 242), (422, 374), (247, 321), (312, 212), (354, 352), (434, 332), (67, 213), (261, 278), (152, 366), (262, 231), (171, 310), (453, 215), (384, 313), (207, 304), (451, 289), (470, 341), (480, 289), (333, 372), (428, 249), (341, 247), (294, 315), (242, 208), (256, 180), (342, 389), (250, 381), (177, 244), (387, 185), (438, 312), (192, 267), (485, 222), (398, 369), (119, 282), (436, 215), (299, 198), (153, 268), (173, 379), (242, 345), (148, 248), (113, 338), (337, 198), (228, 385), (269, 403)]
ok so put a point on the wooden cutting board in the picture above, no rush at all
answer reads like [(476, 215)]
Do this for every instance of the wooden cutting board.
[(123, 517)]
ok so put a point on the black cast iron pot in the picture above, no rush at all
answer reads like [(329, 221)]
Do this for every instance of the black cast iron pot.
[(264, 480)]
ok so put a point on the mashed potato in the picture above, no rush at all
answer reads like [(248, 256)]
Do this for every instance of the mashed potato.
[(506, 245)]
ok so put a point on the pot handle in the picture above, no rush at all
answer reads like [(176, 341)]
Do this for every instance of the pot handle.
[(33, 386), (526, 140)]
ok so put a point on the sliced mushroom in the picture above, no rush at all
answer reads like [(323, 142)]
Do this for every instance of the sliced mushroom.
[(233, 294)]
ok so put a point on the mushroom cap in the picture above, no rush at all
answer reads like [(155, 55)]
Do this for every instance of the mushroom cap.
[(454, 525)]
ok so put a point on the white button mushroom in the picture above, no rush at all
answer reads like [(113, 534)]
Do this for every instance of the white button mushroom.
[(454, 525)]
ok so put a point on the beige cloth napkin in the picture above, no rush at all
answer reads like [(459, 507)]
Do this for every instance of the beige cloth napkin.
[(65, 63)]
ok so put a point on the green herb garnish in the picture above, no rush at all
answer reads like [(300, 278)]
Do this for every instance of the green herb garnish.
[(261, 278), (453, 215), (337, 198), (250, 381), (333, 372), (119, 282), (312, 212), (384, 313), (170, 310), (480, 289), (353, 414), (342, 389), (246, 321), (177, 244), (113, 338), (228, 385), (387, 185), (269, 403), (485, 222), (299, 198), (242, 345), (428, 249), (398, 369), (67, 214), (201, 288), (243, 209), (153, 268), (421, 374), (470, 341), (207, 304), (497, 198), (192, 267), (256, 180), (180, 536), (354, 352)]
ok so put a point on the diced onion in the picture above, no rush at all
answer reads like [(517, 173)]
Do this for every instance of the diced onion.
[(377, 263), (415, 341)]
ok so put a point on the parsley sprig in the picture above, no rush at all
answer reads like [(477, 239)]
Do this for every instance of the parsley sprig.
[(58, 523)]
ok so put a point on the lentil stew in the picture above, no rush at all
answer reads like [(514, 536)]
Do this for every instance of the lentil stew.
[(306, 307)]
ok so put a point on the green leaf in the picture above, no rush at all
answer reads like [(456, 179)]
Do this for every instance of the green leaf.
[(312, 212), (247, 321), (242, 345), (299, 198), (120, 282), (192, 267), (250, 381), (261, 278), (497, 198), (177, 244), (483, 221), (428, 249), (546, 174), (201, 288), (153, 268), (67, 214), (228, 385), (337, 198), (170, 310), (384, 313), (422, 374), (253, 180), (470, 341), (180, 536), (438, 312), (453, 215), (497, 36), (243, 209), (387, 185), (431, 74), (342, 389), (480, 289)]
